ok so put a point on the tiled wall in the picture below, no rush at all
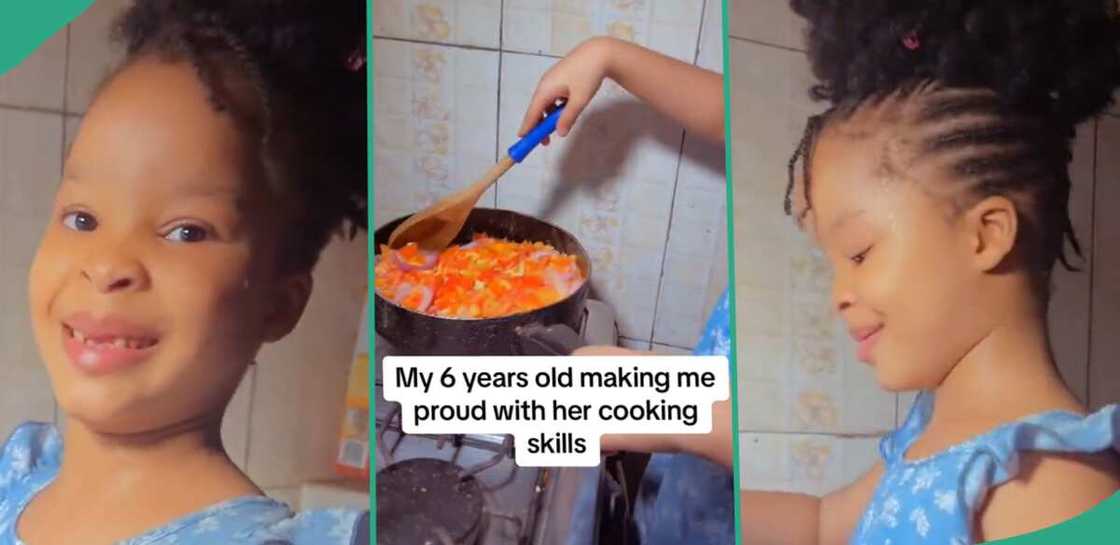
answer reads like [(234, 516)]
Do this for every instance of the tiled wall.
[(453, 79), (810, 416), (282, 424)]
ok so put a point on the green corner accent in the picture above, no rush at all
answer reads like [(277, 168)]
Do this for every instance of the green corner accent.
[(730, 206), (1098, 526), (26, 24)]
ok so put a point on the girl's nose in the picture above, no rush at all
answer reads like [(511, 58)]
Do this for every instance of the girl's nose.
[(842, 295), (117, 273)]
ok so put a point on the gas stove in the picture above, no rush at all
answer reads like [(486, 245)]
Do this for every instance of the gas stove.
[(473, 491)]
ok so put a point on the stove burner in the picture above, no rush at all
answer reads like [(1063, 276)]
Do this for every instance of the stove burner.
[(424, 501)]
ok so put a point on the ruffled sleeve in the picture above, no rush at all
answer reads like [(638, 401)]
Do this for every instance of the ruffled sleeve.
[(316, 527), (32, 446), (893, 446), (997, 458)]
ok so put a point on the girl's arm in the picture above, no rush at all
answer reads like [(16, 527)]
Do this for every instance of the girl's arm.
[(690, 95), (768, 518), (785, 518)]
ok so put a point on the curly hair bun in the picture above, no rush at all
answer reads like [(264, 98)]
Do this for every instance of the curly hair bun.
[(1057, 59)]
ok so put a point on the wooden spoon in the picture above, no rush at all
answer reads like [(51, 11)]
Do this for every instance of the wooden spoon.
[(433, 228)]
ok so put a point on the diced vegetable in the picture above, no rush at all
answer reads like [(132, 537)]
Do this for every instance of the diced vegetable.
[(486, 278)]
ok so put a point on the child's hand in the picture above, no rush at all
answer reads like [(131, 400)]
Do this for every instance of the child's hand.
[(576, 78), (630, 442)]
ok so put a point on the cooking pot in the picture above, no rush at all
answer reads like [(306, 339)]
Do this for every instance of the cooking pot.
[(550, 330)]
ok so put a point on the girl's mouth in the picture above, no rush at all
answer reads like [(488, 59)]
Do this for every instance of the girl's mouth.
[(109, 341), (100, 346), (866, 339)]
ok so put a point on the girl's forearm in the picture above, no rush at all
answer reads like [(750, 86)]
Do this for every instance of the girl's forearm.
[(779, 518), (717, 446), (688, 94)]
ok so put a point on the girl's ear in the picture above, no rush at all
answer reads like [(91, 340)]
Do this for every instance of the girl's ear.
[(287, 304), (992, 226)]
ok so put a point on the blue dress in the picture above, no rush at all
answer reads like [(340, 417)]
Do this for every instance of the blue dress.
[(685, 499), (935, 500), (31, 458), (682, 499)]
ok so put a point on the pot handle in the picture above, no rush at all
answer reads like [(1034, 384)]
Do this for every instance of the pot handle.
[(553, 340)]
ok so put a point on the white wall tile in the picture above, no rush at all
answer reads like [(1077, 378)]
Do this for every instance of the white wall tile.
[(458, 22), (554, 28), (300, 382), (634, 344), (26, 392), (37, 80), (610, 182), (797, 360), (1104, 373), (335, 494), (30, 152), (670, 350), (767, 21), (436, 123), (92, 55), (20, 237), (710, 55), (807, 464), (696, 251)]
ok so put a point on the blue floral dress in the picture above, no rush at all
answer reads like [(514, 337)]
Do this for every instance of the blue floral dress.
[(30, 461), (935, 500)]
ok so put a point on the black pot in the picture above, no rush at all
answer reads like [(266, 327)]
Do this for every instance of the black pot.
[(546, 331)]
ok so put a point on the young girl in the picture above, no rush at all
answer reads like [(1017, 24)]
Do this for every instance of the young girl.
[(207, 176), (683, 499), (937, 185)]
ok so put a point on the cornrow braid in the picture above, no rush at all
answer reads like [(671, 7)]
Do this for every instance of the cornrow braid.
[(803, 152)]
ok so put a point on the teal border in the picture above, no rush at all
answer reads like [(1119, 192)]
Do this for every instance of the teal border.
[(730, 207), (26, 24)]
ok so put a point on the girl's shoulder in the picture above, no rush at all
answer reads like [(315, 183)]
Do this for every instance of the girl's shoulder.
[(336, 526), (34, 447), (259, 520)]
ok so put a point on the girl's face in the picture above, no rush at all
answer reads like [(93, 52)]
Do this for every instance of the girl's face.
[(154, 284), (905, 283)]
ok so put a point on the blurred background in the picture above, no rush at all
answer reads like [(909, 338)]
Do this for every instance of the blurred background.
[(282, 427), (810, 416), (452, 81)]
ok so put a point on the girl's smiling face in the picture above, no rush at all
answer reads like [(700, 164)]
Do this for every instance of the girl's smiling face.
[(906, 280), (156, 282)]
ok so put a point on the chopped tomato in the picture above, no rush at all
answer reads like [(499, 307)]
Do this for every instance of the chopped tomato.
[(486, 278)]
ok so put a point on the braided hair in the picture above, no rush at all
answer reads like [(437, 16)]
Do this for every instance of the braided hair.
[(291, 74), (997, 88)]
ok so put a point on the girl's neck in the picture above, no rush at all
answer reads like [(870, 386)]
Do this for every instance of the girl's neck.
[(1010, 373), (113, 464)]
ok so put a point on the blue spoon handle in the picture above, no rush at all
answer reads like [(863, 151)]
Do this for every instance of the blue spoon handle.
[(521, 149)]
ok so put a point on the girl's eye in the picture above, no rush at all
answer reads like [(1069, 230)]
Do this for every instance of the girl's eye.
[(187, 233), (79, 221), (860, 257)]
